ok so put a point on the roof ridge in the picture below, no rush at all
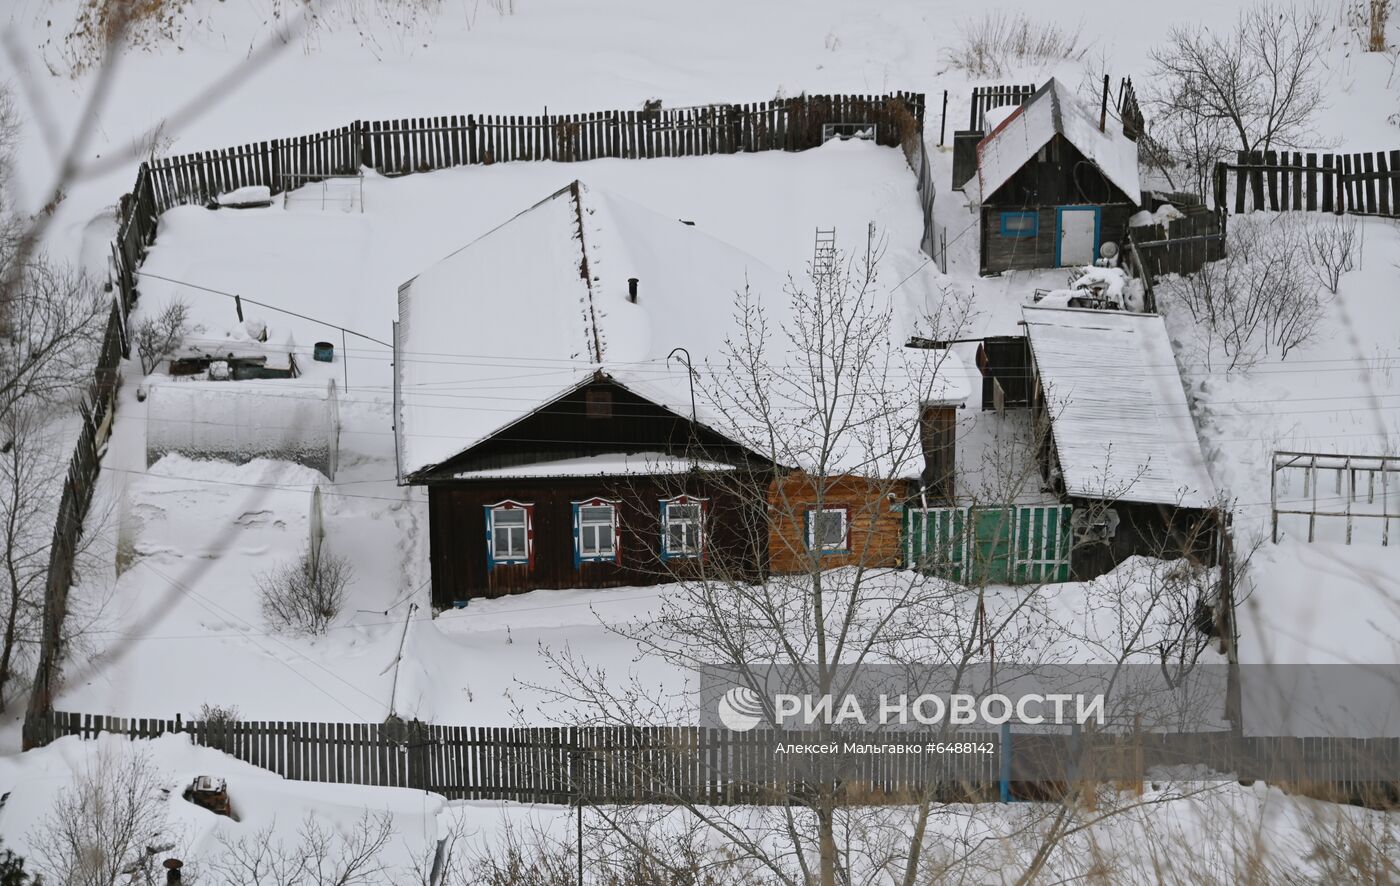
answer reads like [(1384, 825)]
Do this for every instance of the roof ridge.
[(591, 316)]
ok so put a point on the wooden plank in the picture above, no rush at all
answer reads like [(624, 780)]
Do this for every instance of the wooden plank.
[(1329, 177), (1382, 184), (1368, 162)]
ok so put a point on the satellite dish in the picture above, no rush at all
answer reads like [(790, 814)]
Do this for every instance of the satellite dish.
[(1108, 250)]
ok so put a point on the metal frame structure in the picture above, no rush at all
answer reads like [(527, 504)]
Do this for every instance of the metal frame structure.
[(295, 180), (1347, 467)]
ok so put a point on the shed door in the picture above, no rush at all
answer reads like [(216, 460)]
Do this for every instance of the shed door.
[(1079, 235)]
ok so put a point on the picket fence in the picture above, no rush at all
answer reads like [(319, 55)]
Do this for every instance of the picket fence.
[(1278, 181)]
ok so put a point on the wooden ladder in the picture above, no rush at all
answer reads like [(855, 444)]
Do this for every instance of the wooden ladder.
[(824, 254)]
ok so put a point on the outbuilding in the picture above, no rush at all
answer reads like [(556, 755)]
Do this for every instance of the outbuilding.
[(1054, 182)]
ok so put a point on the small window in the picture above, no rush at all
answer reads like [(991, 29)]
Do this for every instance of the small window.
[(827, 529), (596, 521), (1020, 224), (682, 527), (508, 532), (598, 403)]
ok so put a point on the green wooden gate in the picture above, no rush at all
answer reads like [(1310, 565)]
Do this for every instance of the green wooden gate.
[(1018, 544)]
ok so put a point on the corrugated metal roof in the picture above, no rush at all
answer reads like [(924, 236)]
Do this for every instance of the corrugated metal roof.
[(1053, 109), (1118, 411)]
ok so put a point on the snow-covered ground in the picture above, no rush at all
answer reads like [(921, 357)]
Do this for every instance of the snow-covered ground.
[(180, 627)]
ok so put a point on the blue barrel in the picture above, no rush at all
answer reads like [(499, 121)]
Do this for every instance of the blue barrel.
[(323, 351)]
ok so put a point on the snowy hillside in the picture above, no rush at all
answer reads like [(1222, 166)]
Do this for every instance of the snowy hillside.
[(166, 616)]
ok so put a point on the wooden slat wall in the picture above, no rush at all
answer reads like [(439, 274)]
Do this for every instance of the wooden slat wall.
[(621, 765), (1359, 184)]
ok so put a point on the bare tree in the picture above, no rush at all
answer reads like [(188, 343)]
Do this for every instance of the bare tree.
[(108, 824), (28, 467), (50, 321), (159, 334), (1256, 87), (322, 856), (303, 596)]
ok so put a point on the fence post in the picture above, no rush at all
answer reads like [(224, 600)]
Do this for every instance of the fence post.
[(419, 741), (943, 122)]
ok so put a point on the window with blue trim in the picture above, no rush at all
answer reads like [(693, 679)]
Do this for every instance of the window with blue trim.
[(682, 527), (508, 533), (1020, 224), (595, 530), (828, 530)]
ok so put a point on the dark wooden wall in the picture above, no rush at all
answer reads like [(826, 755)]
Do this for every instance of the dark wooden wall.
[(1065, 176), (1148, 530), (457, 533), (1025, 253)]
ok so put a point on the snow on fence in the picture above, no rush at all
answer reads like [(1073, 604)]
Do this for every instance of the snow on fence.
[(1340, 488), (690, 764), (423, 144), (240, 421), (1356, 184)]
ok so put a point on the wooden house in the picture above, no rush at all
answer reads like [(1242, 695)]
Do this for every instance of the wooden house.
[(1054, 181), (535, 400)]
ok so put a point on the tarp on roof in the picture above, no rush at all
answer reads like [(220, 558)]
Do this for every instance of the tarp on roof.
[(1117, 408), (1054, 109)]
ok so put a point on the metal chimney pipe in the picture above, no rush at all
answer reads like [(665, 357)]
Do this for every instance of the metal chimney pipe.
[(632, 289)]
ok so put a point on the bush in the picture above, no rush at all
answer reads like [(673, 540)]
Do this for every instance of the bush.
[(991, 46), (1332, 247), (157, 337), (304, 596), (1263, 297)]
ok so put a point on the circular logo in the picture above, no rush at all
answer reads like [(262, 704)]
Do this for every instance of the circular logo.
[(740, 709)]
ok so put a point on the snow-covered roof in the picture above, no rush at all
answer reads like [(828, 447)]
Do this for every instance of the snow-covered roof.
[(1117, 409), (536, 307), (650, 464), (1054, 109)]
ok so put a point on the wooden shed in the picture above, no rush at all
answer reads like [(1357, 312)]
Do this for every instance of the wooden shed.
[(1122, 448), (1055, 180)]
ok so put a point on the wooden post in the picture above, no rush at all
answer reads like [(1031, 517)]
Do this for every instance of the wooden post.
[(943, 122)]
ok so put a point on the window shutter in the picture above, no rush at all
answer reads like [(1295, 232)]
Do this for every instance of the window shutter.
[(490, 545)]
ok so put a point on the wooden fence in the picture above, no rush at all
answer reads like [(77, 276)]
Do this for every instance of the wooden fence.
[(1180, 246), (135, 231), (609, 764), (619, 764), (423, 144), (1358, 184), (984, 98)]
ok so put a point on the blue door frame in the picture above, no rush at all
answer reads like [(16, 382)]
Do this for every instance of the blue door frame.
[(1060, 228)]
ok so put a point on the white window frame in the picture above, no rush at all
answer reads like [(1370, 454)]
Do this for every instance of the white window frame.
[(700, 505), (614, 536), (812, 522), (513, 557)]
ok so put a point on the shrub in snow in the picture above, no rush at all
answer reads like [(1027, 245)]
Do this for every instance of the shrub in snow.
[(998, 42), (1332, 246), (1263, 297), (99, 828), (158, 336), (323, 855), (304, 596)]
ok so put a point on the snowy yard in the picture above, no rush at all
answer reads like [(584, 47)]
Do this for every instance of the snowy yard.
[(173, 621)]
